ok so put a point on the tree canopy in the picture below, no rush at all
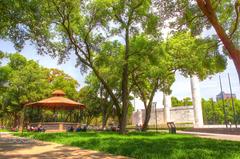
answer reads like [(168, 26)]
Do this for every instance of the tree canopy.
[(201, 15), (27, 82), (120, 42)]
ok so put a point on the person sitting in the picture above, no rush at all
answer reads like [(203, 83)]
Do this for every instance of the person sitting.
[(40, 129), (70, 129), (14, 129), (78, 129), (33, 128), (28, 128), (84, 128)]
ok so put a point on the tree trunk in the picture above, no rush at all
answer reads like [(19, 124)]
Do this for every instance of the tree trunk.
[(104, 121), (124, 113), (233, 52), (148, 107), (104, 117), (236, 60), (147, 118)]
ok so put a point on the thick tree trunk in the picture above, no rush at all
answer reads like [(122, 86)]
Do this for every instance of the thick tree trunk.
[(233, 51), (236, 60), (147, 118), (124, 113), (148, 107), (105, 115), (104, 121)]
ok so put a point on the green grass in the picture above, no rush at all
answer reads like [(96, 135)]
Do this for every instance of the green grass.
[(146, 145), (4, 130)]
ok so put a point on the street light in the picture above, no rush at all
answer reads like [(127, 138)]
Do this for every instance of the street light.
[(233, 107), (154, 104), (223, 103)]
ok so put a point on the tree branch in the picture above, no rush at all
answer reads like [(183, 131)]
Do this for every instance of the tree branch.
[(237, 10)]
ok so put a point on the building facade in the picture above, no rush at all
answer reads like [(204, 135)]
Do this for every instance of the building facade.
[(183, 114), (223, 95)]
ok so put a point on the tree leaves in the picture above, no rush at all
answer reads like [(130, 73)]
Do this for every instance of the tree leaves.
[(29, 82)]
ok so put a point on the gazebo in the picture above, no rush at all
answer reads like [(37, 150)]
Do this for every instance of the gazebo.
[(56, 102)]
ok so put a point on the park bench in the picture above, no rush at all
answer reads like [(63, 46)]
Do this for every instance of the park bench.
[(171, 127)]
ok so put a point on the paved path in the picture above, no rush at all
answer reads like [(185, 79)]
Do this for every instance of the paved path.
[(12, 147), (212, 135), (228, 131)]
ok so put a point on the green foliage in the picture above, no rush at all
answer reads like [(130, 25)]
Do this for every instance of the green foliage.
[(149, 69), (60, 80), (1, 56), (145, 145), (4, 75), (184, 102), (28, 82), (213, 112), (188, 16), (120, 41), (17, 61), (89, 97), (194, 56)]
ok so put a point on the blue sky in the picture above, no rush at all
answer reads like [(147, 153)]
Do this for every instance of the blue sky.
[(181, 88)]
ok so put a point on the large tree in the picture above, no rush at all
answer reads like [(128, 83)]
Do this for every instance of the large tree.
[(149, 72), (64, 27), (58, 79), (27, 81), (202, 15), (88, 29), (155, 63), (224, 17)]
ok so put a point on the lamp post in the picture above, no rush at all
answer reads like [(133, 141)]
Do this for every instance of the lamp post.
[(233, 107), (154, 104), (223, 103)]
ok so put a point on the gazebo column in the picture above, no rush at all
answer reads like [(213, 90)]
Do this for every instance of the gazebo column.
[(167, 106), (196, 100), (61, 126)]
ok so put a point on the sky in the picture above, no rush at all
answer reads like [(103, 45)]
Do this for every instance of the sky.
[(181, 88)]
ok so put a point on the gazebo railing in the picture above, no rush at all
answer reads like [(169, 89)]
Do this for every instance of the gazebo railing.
[(55, 126)]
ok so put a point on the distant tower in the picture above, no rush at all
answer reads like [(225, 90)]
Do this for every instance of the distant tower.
[(197, 103)]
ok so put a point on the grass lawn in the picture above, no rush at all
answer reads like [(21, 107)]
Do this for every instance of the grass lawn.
[(146, 145), (4, 130)]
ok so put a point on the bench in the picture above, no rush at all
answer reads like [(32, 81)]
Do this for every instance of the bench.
[(171, 127)]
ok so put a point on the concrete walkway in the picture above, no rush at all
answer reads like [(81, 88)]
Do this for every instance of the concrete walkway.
[(12, 147), (212, 135)]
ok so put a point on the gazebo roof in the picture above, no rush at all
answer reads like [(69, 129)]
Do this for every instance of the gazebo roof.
[(58, 101), (58, 93)]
